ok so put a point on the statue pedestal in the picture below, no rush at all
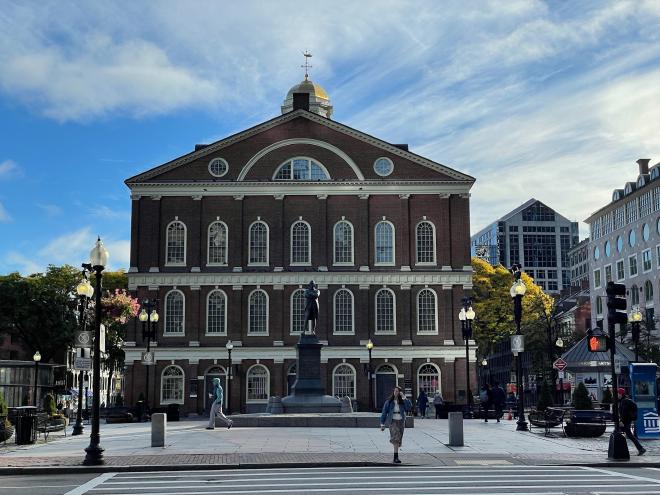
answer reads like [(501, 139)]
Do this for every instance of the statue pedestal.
[(308, 393)]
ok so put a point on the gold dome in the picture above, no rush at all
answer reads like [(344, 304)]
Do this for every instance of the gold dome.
[(319, 102), (307, 86)]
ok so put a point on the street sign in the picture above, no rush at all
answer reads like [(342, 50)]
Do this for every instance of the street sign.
[(84, 364), (560, 364), (83, 340), (562, 375), (148, 357), (517, 343)]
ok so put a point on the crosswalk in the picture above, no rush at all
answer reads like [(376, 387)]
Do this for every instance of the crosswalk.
[(426, 480)]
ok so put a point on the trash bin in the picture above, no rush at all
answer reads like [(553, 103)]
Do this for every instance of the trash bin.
[(173, 412), (25, 420)]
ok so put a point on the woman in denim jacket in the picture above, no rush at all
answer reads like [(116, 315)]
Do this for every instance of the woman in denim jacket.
[(394, 417)]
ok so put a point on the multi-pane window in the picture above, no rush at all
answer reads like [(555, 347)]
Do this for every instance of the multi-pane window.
[(298, 311), (538, 212), (425, 242), (176, 243), (258, 313), (632, 265), (597, 278), (174, 312), (301, 169), (648, 291), (608, 273), (657, 255), (428, 379), (343, 381), (300, 243), (385, 311), (647, 260), (514, 249), (343, 311), (384, 243), (216, 313), (656, 199), (540, 250), (343, 243), (217, 252), (645, 204), (599, 306), (427, 318), (634, 296), (620, 270), (620, 217), (171, 385), (632, 213), (258, 384), (258, 243)]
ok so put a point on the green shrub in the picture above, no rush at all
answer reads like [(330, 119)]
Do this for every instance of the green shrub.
[(581, 398), (545, 398), (49, 405), (3, 405)]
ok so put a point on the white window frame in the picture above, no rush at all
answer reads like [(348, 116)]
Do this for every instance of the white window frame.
[(309, 244), (183, 387), (334, 244), (376, 331), (259, 263), (598, 283), (630, 274), (623, 263), (599, 302), (185, 243), (183, 321), (387, 263), (650, 264), (425, 263), (291, 330), (354, 396), (605, 267), (435, 309), (247, 391), (657, 255), (309, 161), (208, 244), (648, 303), (267, 332), (334, 312), (439, 372), (224, 330)]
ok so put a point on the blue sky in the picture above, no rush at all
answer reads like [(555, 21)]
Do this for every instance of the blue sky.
[(553, 100)]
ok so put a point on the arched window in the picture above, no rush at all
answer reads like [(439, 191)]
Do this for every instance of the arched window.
[(344, 311), (258, 384), (384, 243), (385, 311), (171, 385), (427, 312), (216, 313), (634, 295), (176, 244), (648, 292), (258, 243), (428, 379), (291, 378), (301, 169), (217, 249), (301, 240), (343, 381), (343, 243), (298, 311), (175, 313), (425, 235), (258, 313)]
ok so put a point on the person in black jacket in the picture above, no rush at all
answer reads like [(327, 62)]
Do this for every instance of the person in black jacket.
[(499, 400), (628, 414), (486, 399)]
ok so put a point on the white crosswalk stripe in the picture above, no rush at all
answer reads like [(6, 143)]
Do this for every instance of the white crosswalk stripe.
[(426, 480)]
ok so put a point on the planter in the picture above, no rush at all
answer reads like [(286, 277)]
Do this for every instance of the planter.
[(584, 429)]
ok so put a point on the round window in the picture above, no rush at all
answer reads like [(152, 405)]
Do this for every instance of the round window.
[(619, 244), (596, 253), (383, 166), (646, 232), (632, 238), (608, 249), (218, 167)]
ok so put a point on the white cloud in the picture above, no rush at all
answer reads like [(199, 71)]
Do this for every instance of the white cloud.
[(107, 213), (8, 169), (50, 209), (22, 264), (5, 217)]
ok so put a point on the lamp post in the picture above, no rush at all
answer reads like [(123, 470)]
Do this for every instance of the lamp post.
[(85, 292), (560, 345), (635, 318), (370, 346), (149, 317), (517, 292), (99, 259), (36, 358), (466, 316), (87, 395), (484, 364), (229, 346)]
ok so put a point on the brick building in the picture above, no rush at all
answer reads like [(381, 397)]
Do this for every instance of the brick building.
[(226, 236)]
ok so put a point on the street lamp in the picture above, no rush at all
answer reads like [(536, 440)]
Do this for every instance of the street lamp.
[(87, 396), (484, 364), (635, 318), (99, 259), (36, 358), (370, 346), (229, 346), (466, 315), (560, 345), (85, 292), (149, 317), (517, 292)]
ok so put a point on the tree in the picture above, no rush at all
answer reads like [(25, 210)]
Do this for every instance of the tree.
[(581, 398), (545, 399)]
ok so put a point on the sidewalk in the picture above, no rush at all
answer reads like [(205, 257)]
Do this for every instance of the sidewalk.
[(190, 446)]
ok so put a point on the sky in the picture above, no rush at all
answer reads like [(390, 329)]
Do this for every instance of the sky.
[(552, 100)]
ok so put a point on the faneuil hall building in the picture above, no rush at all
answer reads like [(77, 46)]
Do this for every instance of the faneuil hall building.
[(225, 239)]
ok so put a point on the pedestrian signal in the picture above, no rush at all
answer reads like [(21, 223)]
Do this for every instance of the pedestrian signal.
[(597, 342)]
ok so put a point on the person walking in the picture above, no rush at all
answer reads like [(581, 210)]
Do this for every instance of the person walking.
[(499, 400), (486, 399), (437, 403), (628, 414), (394, 417), (216, 407), (422, 403)]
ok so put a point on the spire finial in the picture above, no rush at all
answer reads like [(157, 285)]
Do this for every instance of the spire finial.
[(307, 65)]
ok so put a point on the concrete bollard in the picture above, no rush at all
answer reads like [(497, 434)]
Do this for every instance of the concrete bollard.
[(276, 406), (158, 429), (455, 429)]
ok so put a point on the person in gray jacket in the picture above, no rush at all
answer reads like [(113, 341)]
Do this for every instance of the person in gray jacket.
[(216, 407), (394, 417)]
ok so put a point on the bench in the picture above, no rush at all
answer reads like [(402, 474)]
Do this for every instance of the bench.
[(117, 414), (547, 419), (46, 425), (587, 422)]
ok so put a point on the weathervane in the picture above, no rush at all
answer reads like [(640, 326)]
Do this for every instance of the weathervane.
[(307, 56)]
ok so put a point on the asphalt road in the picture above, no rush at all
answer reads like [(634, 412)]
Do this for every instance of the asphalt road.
[(537, 480)]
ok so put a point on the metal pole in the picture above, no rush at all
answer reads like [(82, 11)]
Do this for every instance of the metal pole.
[(36, 383), (94, 450), (467, 372), (78, 427), (229, 384), (146, 397), (522, 424), (371, 398)]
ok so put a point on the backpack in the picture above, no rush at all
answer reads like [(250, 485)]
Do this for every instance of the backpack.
[(483, 396)]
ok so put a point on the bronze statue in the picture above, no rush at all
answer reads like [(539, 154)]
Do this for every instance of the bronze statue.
[(311, 307)]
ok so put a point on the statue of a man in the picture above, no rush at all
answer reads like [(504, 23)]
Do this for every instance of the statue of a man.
[(311, 306)]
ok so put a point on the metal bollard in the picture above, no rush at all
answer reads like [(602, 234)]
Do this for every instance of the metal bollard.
[(158, 429), (455, 429)]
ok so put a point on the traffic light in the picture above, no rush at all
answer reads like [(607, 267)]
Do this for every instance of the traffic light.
[(597, 341), (616, 304)]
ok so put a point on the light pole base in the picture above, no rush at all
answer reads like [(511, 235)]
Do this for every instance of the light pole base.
[(522, 426), (618, 449), (78, 429), (94, 456)]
